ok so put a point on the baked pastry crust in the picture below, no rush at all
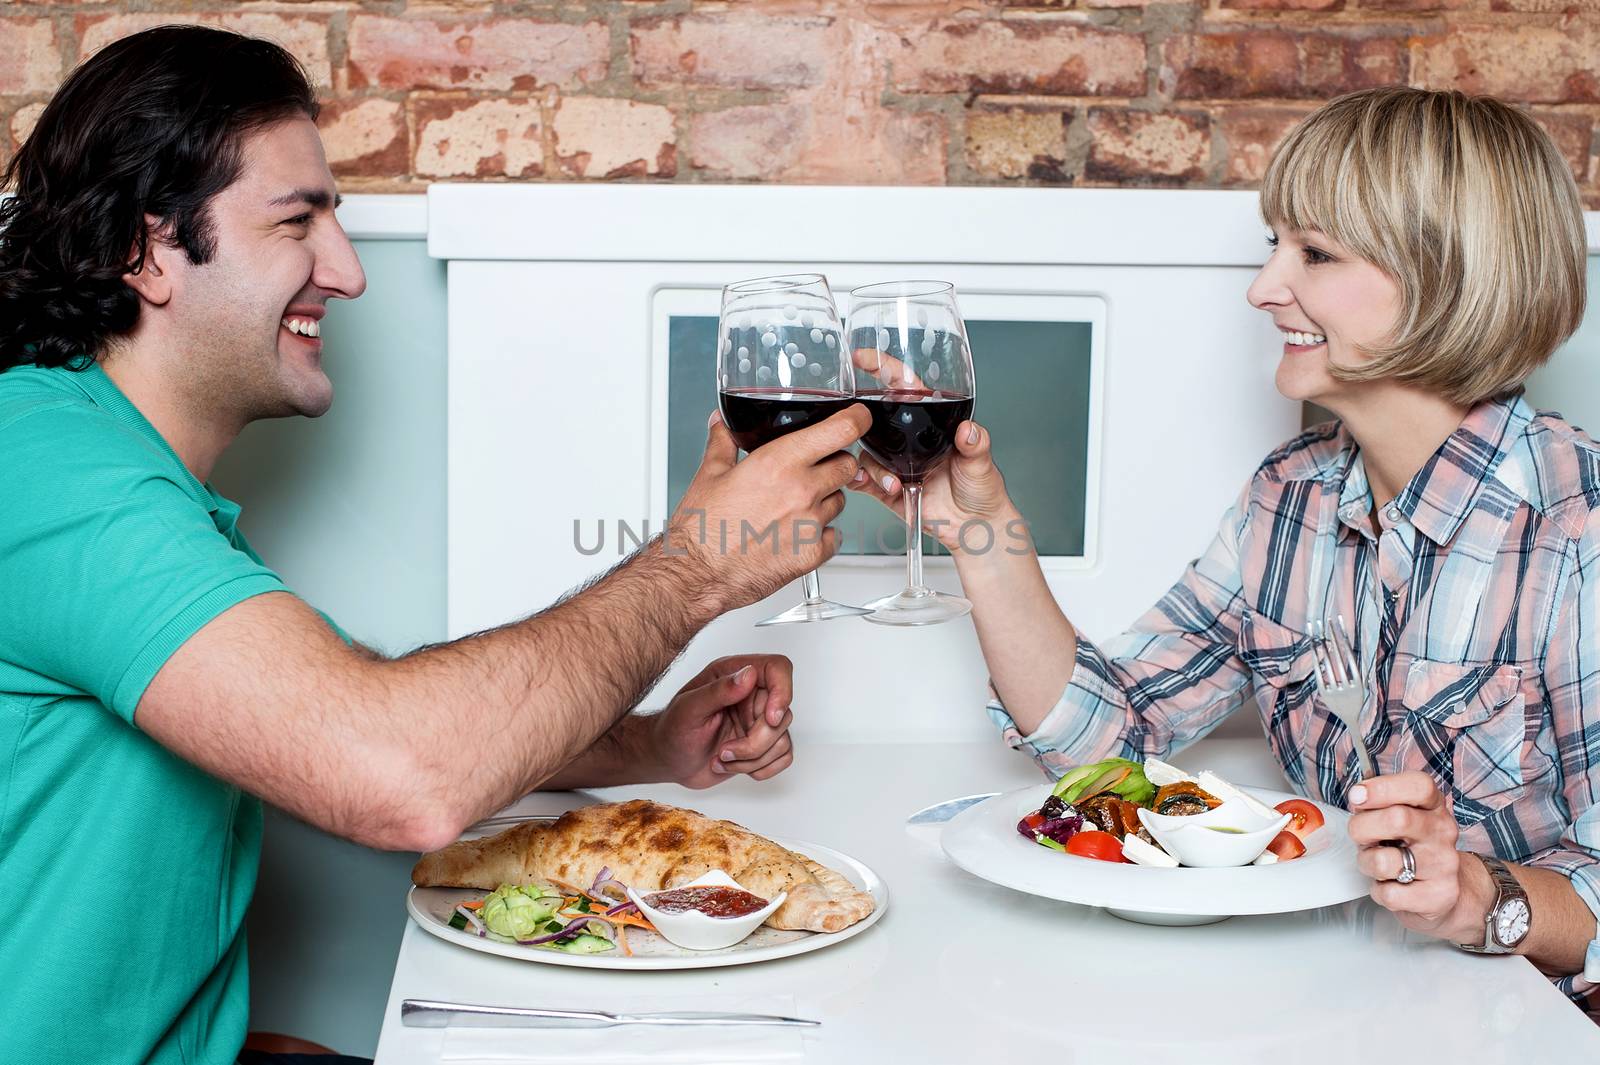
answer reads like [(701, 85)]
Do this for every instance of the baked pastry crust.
[(650, 847)]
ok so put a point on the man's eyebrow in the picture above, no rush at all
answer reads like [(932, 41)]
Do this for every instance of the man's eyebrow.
[(317, 198)]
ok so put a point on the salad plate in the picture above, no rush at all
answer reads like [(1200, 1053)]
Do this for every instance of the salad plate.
[(432, 907), (984, 841)]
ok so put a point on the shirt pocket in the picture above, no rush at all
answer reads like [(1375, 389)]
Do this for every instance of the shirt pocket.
[(1469, 723), (1281, 668)]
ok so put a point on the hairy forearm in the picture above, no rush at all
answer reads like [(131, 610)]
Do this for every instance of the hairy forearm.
[(624, 755), (501, 713), (1028, 643)]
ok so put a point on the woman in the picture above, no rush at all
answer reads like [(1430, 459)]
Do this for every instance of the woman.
[(1428, 254)]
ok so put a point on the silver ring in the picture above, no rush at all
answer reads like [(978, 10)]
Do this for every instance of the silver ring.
[(1408, 866)]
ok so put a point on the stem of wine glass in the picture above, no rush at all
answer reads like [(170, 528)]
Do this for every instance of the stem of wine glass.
[(914, 539), (813, 586)]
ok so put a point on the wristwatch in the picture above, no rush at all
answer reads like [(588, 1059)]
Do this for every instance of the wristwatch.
[(1510, 917)]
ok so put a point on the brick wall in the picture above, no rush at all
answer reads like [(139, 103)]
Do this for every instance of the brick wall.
[(1083, 92)]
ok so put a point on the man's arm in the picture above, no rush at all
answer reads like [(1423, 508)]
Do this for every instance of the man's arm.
[(403, 754)]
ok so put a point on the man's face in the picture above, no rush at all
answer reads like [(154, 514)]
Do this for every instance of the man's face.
[(247, 323)]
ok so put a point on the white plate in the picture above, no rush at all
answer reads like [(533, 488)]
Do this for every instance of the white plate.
[(431, 908), (984, 841)]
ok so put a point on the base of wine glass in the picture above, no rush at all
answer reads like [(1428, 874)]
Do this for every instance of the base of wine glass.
[(920, 607), (814, 610)]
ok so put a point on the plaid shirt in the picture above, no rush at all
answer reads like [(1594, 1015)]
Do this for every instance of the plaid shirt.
[(1475, 604)]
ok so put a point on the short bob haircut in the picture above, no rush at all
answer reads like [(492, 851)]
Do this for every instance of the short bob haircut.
[(1467, 204)]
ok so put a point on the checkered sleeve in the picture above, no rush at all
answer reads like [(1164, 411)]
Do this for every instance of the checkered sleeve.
[(1572, 678), (1161, 685)]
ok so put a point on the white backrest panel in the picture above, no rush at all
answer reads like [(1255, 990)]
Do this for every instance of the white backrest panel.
[(555, 397)]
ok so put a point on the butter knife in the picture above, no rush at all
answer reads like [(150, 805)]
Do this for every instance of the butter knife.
[(421, 1013), (941, 812)]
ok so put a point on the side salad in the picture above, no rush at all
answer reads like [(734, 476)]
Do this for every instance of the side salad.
[(555, 916), (1093, 812)]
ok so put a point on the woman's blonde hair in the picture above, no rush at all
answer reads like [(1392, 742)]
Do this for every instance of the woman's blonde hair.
[(1467, 204)]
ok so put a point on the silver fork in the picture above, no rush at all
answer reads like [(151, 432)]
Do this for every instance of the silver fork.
[(1339, 681)]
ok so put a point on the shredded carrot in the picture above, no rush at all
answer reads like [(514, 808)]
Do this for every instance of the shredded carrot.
[(476, 905), (622, 938)]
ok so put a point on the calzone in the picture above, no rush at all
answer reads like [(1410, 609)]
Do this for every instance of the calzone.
[(650, 847)]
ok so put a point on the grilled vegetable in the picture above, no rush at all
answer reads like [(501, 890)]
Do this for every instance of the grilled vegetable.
[(1183, 799)]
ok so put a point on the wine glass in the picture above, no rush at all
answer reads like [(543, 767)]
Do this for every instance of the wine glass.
[(781, 366), (914, 373)]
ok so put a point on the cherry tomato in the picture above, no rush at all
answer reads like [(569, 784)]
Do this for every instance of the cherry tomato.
[(1305, 817), (1101, 845), (1287, 846)]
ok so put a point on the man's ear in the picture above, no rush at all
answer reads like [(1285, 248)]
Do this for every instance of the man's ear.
[(153, 280)]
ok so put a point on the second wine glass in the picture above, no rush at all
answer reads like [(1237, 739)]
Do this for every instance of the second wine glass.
[(914, 373), (781, 366)]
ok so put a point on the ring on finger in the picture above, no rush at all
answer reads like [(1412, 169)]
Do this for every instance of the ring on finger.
[(1408, 865)]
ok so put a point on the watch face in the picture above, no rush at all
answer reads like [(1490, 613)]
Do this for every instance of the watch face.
[(1511, 922)]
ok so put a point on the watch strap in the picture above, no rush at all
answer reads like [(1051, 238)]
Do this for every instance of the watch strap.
[(1506, 888)]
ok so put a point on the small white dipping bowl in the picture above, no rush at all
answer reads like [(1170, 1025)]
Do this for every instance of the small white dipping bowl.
[(1196, 842), (693, 930)]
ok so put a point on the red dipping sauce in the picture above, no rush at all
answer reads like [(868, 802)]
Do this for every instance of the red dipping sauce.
[(708, 899)]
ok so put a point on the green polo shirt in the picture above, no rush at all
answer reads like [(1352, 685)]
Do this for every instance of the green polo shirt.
[(124, 871)]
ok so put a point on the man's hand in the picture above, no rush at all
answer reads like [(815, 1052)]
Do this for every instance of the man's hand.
[(732, 718), (1451, 892), (756, 525)]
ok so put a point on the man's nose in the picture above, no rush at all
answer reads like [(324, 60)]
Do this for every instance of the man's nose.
[(338, 271)]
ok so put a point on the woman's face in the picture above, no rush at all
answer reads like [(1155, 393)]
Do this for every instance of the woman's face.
[(1329, 305)]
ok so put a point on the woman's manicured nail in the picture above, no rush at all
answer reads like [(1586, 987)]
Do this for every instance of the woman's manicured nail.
[(716, 416), (972, 434), (861, 475), (718, 767), (739, 677), (888, 483), (1358, 795), (727, 756)]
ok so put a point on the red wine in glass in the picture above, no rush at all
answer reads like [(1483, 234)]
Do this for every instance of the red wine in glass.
[(913, 429), (756, 416)]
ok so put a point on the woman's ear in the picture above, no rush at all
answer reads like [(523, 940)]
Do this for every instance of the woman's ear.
[(153, 278)]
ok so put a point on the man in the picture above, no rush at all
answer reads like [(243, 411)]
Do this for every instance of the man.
[(165, 262)]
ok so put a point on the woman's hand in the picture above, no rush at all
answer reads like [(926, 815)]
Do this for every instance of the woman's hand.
[(967, 487), (1447, 899)]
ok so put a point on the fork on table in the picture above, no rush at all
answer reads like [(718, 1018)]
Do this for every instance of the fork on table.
[(1339, 681)]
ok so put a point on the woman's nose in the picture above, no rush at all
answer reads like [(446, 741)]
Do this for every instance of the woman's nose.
[(1269, 289)]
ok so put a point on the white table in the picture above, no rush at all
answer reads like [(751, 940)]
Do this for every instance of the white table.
[(961, 970)]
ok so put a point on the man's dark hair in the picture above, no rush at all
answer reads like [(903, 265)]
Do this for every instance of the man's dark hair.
[(151, 125)]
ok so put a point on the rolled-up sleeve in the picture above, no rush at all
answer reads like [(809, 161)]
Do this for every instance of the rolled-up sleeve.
[(1161, 685)]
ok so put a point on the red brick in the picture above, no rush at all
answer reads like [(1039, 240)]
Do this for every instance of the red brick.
[(365, 138), (748, 142), (1547, 7), (1420, 5), (1252, 137), (503, 54), (1535, 64), (478, 138), (1019, 143), (1284, 5), (1278, 64), (602, 137), (1033, 57), (304, 36), (1163, 148), (823, 138), (29, 59), (739, 50), (1572, 134), (22, 123)]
